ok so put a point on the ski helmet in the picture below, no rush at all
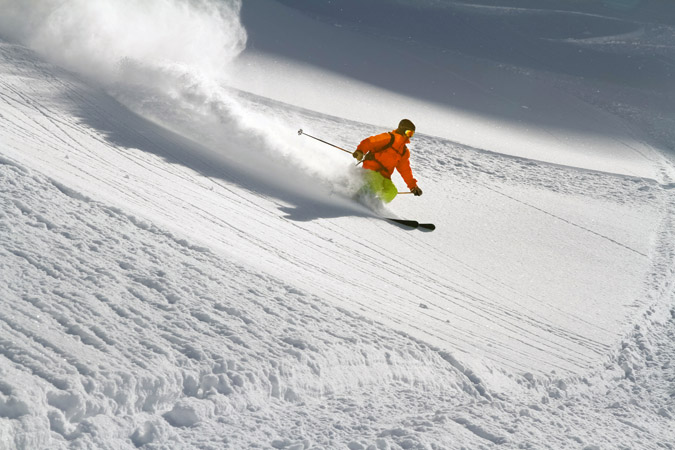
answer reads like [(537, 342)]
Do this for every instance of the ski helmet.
[(406, 124)]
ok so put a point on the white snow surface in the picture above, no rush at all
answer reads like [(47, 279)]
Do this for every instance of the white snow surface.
[(180, 269)]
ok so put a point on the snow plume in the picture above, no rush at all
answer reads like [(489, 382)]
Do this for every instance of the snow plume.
[(94, 37), (167, 60)]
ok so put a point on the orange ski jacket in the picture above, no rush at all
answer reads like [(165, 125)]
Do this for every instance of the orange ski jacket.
[(384, 158)]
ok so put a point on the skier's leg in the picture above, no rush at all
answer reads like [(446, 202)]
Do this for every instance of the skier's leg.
[(382, 187), (389, 190), (367, 188)]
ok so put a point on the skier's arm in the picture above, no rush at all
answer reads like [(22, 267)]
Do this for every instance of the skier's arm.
[(404, 169), (374, 142)]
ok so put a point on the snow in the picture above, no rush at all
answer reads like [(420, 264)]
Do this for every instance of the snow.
[(182, 270)]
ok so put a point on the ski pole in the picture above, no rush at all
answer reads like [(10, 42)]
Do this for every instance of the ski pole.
[(300, 133)]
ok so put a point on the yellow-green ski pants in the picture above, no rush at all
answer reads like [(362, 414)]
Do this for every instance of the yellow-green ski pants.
[(380, 186)]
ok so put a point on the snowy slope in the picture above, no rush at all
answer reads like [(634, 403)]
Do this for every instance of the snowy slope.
[(509, 79), (118, 334), (182, 270)]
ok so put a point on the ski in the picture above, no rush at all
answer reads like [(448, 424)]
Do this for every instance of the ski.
[(407, 223), (413, 224)]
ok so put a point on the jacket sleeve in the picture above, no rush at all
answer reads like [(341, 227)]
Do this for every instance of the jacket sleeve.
[(404, 169), (374, 142)]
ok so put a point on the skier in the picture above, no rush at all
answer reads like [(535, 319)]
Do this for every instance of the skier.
[(383, 153)]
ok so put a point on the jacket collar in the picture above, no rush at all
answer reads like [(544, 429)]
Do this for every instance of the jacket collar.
[(406, 138)]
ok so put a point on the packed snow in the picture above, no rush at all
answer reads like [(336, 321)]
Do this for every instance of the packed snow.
[(181, 269)]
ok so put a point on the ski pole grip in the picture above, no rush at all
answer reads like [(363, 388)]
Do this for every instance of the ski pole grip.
[(300, 132)]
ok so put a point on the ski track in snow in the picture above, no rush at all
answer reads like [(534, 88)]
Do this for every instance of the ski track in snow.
[(135, 317), (78, 312), (130, 334)]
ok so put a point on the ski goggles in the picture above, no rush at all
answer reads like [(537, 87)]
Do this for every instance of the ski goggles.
[(410, 133)]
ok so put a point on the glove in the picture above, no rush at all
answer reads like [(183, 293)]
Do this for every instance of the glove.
[(358, 154), (416, 191)]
